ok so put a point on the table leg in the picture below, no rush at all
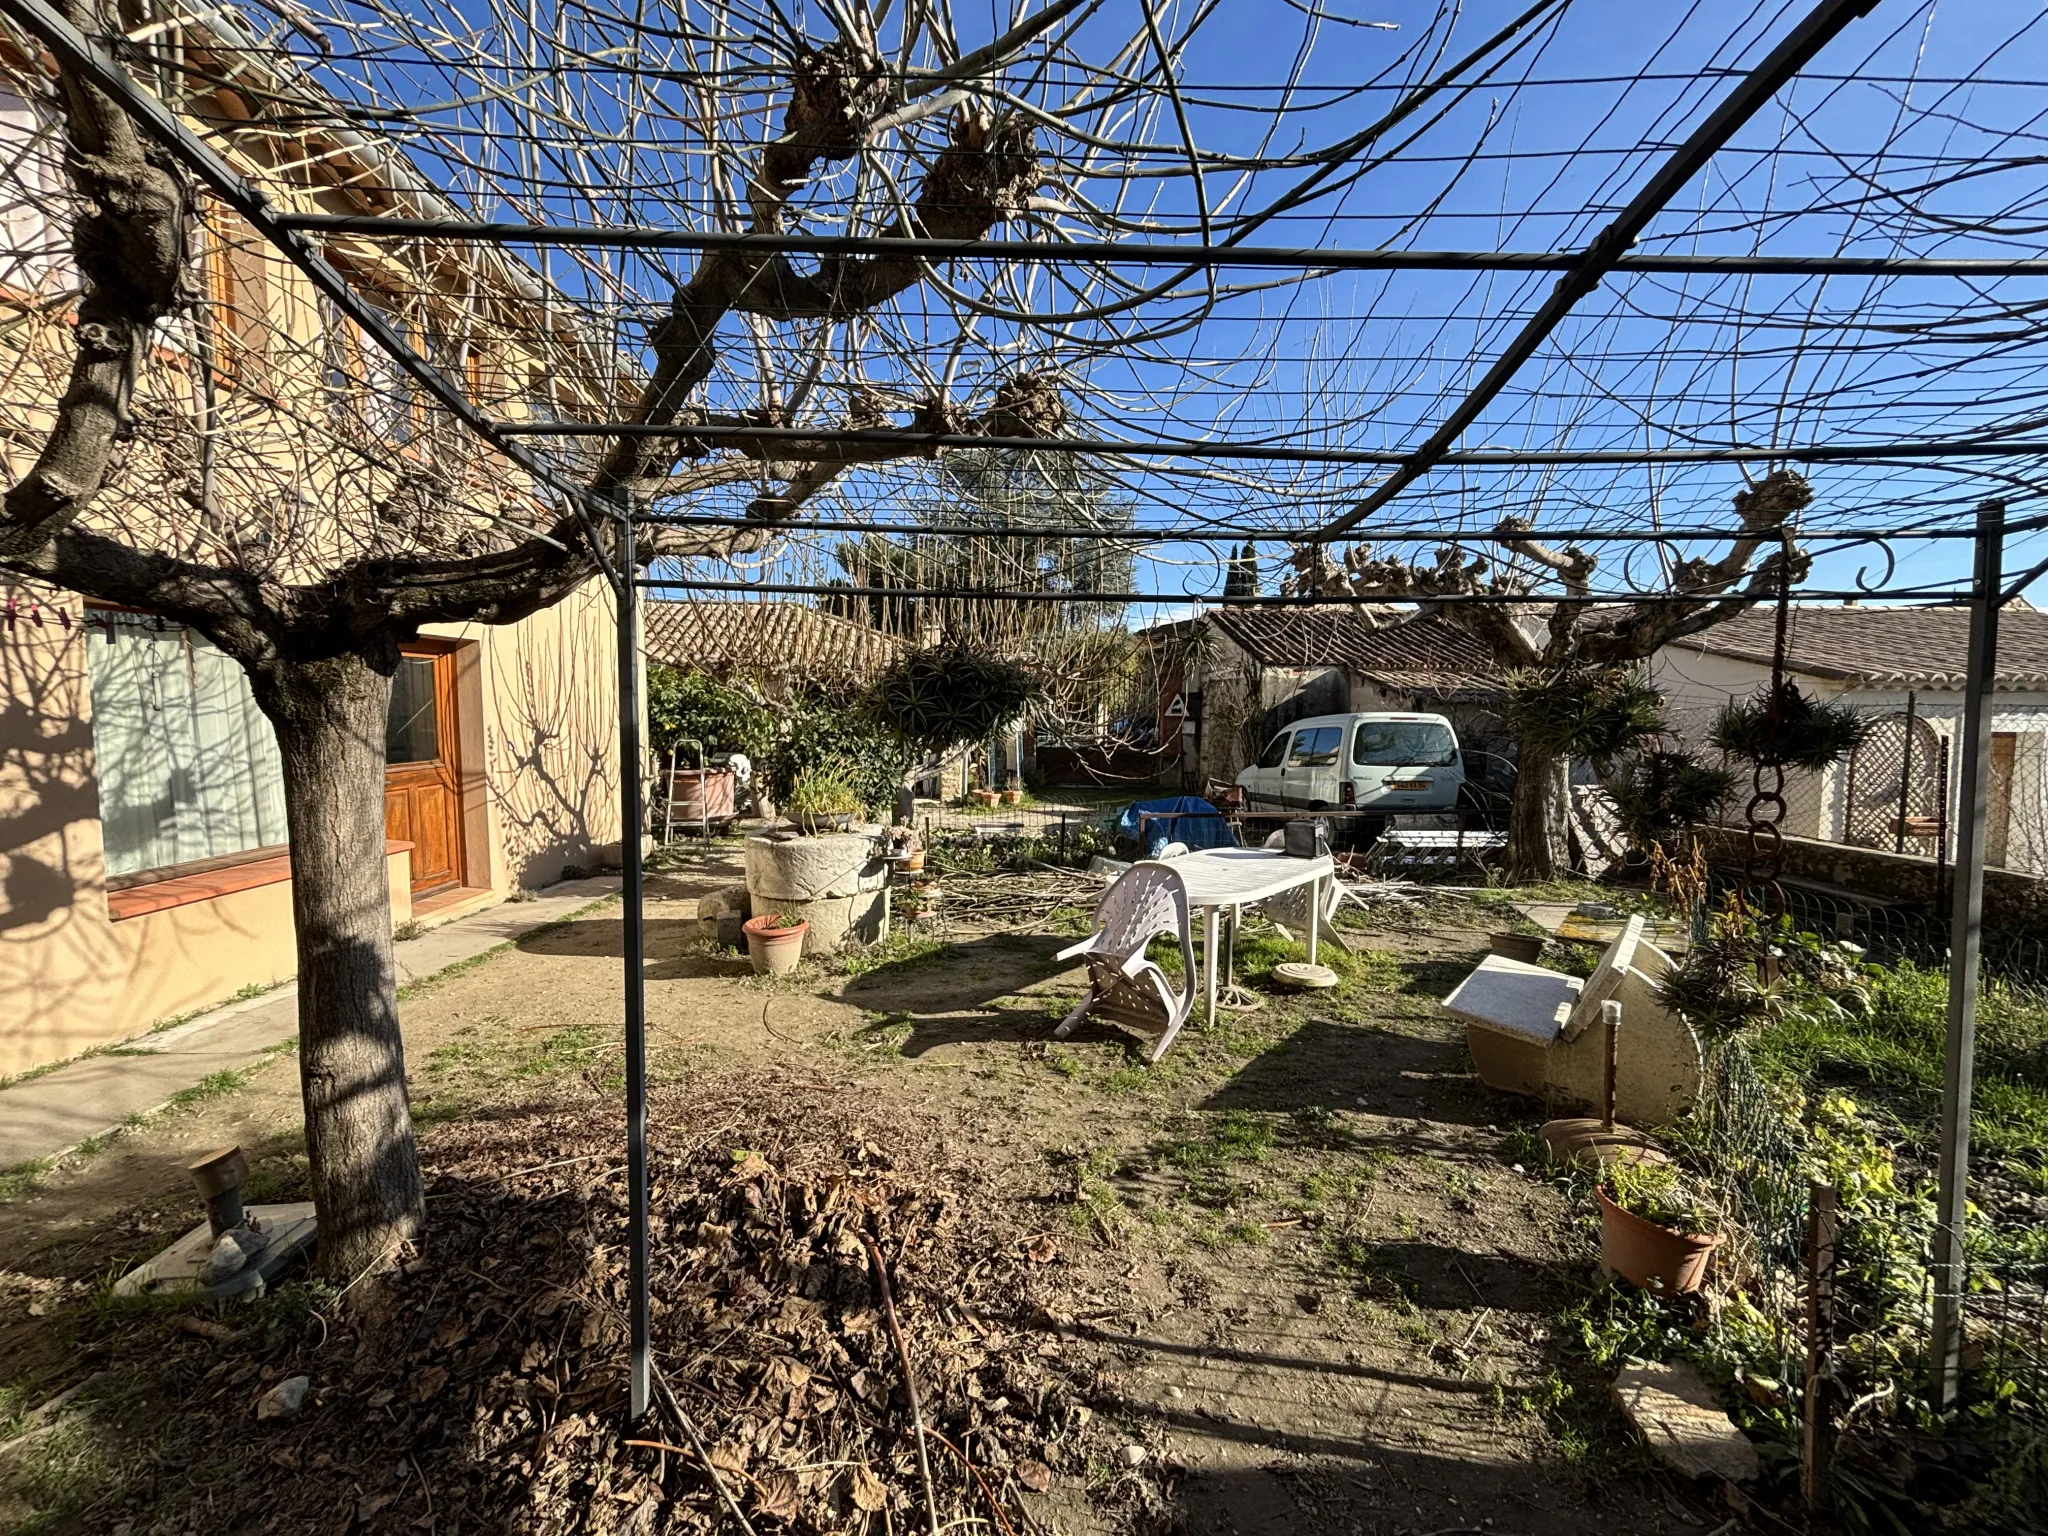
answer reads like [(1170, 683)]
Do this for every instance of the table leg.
[(1209, 959), (1315, 915)]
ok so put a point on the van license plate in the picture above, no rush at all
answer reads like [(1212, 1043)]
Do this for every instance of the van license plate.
[(1408, 784)]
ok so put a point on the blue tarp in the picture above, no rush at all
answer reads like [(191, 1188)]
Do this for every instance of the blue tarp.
[(1194, 822)]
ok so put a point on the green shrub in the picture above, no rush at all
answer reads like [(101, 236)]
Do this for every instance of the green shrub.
[(693, 706), (833, 733)]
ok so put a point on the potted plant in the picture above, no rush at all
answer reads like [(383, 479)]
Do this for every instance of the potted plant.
[(775, 942), (822, 801), (986, 797), (1013, 795), (1656, 1231)]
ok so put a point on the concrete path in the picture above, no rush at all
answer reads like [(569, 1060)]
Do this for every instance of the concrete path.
[(53, 1113)]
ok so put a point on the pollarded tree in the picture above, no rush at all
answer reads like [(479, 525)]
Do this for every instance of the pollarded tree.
[(1562, 629), (202, 441)]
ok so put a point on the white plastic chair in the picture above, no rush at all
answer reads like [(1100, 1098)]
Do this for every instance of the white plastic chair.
[(1148, 899), (1171, 851)]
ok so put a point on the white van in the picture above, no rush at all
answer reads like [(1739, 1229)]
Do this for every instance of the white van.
[(1377, 762)]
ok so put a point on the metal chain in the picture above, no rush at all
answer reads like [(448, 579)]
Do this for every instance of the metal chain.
[(1762, 892)]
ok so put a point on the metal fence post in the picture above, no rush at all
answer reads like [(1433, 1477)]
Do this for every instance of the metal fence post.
[(1819, 1440), (1966, 932), (632, 932)]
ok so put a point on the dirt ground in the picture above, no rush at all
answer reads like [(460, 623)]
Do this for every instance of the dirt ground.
[(1314, 1270)]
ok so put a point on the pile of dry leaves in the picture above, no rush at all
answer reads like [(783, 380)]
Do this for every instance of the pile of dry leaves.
[(484, 1387)]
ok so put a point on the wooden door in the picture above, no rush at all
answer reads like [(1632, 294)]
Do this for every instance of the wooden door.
[(422, 773), (1998, 809)]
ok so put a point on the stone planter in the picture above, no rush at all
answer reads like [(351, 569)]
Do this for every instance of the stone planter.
[(774, 949), (1656, 1258), (836, 883)]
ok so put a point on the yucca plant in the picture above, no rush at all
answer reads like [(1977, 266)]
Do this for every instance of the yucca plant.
[(1664, 790), (1598, 713)]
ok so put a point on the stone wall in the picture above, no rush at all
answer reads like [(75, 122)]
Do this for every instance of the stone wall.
[(2013, 903)]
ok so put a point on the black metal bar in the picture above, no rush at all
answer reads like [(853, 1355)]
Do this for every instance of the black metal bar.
[(84, 59), (1966, 934), (1933, 597), (886, 437), (633, 936), (1141, 533), (1612, 243), (1146, 253)]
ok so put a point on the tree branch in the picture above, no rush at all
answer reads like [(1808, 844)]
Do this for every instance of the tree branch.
[(129, 244)]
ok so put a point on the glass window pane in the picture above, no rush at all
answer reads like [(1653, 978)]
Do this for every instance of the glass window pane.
[(1317, 748), (1275, 750), (412, 734), (188, 767), (1403, 744)]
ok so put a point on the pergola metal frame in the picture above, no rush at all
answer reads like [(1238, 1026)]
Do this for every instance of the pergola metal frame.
[(1582, 271)]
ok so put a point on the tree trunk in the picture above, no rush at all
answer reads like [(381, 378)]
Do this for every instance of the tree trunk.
[(330, 718), (1539, 819)]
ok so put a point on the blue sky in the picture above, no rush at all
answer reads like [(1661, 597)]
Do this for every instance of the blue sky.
[(1914, 133)]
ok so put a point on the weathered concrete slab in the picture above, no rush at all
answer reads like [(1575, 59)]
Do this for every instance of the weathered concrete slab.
[(1677, 1415)]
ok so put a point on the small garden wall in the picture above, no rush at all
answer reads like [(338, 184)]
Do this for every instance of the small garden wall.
[(2012, 902)]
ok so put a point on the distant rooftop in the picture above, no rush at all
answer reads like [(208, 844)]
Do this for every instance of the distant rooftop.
[(1885, 647), (771, 641), (1385, 644)]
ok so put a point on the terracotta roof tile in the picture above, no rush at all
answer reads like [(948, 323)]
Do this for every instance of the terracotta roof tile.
[(1880, 647), (770, 641), (1403, 652)]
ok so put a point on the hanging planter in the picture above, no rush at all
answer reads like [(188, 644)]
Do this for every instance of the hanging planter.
[(1591, 712), (1798, 732), (935, 698)]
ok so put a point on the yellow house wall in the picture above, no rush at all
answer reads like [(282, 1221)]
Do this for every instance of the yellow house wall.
[(539, 723)]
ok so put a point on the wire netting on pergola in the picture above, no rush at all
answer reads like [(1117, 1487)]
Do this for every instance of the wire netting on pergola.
[(1056, 306)]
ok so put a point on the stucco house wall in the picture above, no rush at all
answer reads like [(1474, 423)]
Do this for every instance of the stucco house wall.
[(83, 965), (1699, 684)]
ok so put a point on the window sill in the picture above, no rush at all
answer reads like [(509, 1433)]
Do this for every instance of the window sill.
[(208, 884)]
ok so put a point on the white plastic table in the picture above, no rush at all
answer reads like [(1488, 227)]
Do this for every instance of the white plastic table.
[(1231, 879)]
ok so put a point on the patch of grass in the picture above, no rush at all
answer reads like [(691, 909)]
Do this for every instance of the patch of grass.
[(566, 1050), (424, 984), (1891, 1057), (412, 928), (901, 951), (1064, 1062), (1236, 1136), (23, 1177), (1093, 1206)]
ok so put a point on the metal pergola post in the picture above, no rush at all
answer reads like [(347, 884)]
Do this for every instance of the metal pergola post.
[(1966, 932), (633, 928)]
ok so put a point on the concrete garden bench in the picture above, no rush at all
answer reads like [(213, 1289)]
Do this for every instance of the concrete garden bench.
[(1529, 1029)]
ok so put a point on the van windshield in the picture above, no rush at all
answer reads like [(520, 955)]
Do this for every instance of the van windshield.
[(1404, 744)]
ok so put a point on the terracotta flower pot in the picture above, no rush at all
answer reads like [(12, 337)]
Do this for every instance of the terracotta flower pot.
[(1013, 797), (985, 797), (1656, 1258), (774, 949), (913, 863)]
